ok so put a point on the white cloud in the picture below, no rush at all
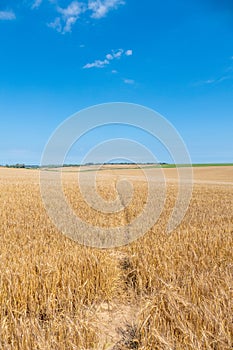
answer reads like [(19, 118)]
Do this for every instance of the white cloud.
[(73, 10), (129, 52), (227, 74), (209, 81), (100, 8), (118, 53), (224, 78), (7, 15), (114, 71), (114, 54), (129, 81), (204, 82), (56, 24), (96, 64), (213, 81), (68, 18), (69, 23), (36, 4), (108, 58)]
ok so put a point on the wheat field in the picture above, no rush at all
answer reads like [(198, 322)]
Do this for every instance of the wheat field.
[(161, 292)]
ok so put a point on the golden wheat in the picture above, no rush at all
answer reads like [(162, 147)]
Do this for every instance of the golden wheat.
[(175, 291)]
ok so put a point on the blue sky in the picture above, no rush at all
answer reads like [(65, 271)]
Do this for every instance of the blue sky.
[(58, 57)]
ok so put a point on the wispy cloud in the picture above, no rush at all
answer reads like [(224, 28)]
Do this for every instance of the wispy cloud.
[(129, 81), (129, 52), (115, 54), (227, 74), (96, 64), (7, 15), (72, 10), (213, 81), (223, 78), (36, 4), (100, 8), (108, 58), (56, 24), (206, 82), (68, 17)]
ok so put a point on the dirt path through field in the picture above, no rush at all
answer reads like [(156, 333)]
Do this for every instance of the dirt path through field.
[(116, 325), (116, 321)]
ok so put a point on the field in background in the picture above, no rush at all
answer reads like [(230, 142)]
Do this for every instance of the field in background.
[(161, 292)]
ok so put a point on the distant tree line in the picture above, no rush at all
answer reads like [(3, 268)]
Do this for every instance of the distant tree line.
[(17, 165), (23, 166)]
